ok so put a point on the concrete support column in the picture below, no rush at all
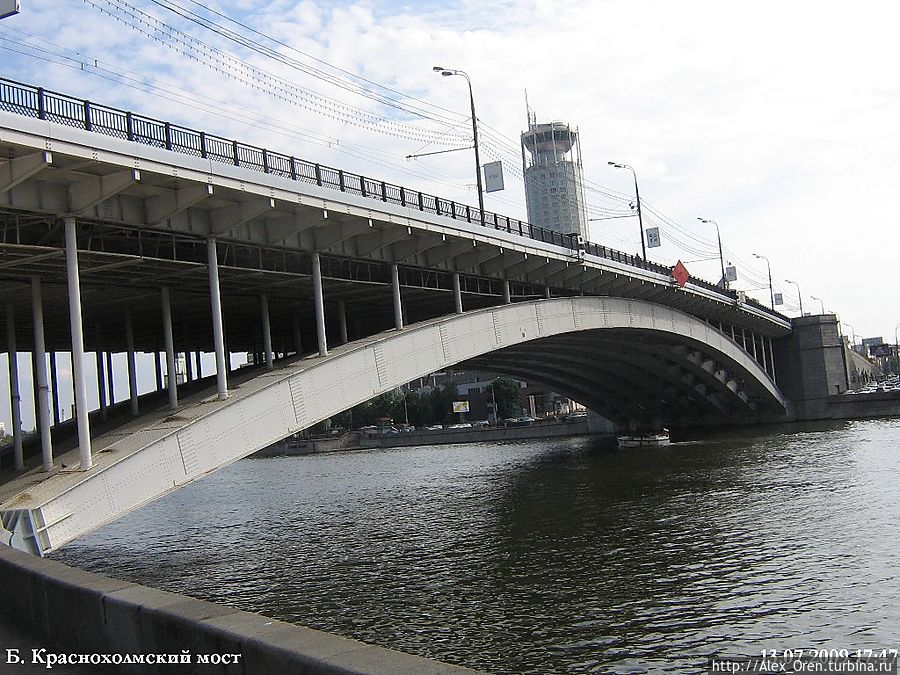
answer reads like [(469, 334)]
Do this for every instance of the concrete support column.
[(266, 331), (40, 375), (169, 340), (398, 306), (319, 301), (753, 342), (507, 299), (457, 293), (744, 338), (157, 366), (132, 368), (188, 366), (547, 292), (101, 385), (765, 359), (298, 340), (218, 329), (110, 380), (772, 359), (15, 398), (54, 388), (74, 283), (342, 321), (227, 353)]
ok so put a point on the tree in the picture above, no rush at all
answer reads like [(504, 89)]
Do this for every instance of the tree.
[(508, 396)]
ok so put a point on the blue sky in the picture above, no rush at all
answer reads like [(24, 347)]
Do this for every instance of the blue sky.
[(778, 120)]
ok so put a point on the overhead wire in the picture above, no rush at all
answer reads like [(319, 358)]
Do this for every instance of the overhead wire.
[(167, 91), (354, 76), (257, 78)]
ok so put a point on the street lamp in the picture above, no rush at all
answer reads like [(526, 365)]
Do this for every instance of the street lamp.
[(719, 239), (788, 281), (637, 195), (769, 265), (820, 302), (448, 72), (897, 348), (852, 334)]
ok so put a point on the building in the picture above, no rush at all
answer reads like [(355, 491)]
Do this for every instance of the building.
[(554, 184)]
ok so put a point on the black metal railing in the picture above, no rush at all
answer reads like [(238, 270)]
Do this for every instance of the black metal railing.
[(32, 101)]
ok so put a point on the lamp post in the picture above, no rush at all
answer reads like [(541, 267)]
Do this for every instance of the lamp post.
[(448, 72), (820, 302), (719, 239), (897, 348), (788, 281), (852, 334), (769, 266), (637, 195)]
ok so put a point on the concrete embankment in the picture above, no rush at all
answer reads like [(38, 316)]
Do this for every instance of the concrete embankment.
[(863, 406), (486, 435), (849, 407), (358, 441), (89, 614)]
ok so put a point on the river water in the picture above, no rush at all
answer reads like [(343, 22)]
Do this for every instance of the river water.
[(548, 557)]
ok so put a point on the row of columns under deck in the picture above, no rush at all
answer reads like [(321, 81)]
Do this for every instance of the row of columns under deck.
[(764, 356), (105, 384), (220, 348)]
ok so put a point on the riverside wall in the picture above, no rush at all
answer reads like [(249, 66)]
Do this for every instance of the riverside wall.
[(358, 441), (90, 614)]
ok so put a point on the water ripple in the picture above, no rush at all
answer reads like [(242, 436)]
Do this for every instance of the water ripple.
[(547, 557)]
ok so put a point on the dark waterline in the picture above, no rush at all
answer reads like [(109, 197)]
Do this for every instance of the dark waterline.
[(547, 556)]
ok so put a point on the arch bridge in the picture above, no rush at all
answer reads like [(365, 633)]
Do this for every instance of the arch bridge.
[(123, 234)]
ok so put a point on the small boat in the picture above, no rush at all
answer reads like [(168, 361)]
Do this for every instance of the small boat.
[(650, 440)]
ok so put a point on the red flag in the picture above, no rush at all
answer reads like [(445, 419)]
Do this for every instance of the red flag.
[(680, 274)]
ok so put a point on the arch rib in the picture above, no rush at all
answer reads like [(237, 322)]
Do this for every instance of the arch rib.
[(158, 453)]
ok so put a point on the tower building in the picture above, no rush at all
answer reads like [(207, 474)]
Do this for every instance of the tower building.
[(554, 189)]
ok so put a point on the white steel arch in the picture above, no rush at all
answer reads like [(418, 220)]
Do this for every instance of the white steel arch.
[(165, 450)]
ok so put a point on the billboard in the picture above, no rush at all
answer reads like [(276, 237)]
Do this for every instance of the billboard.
[(460, 406), (8, 8), (882, 351), (493, 177)]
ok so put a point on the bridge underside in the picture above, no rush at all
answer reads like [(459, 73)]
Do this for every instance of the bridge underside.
[(629, 360), (630, 377)]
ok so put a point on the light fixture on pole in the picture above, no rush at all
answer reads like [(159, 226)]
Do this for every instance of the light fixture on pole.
[(769, 266), (719, 239), (820, 302), (788, 281), (852, 334), (637, 195), (448, 72)]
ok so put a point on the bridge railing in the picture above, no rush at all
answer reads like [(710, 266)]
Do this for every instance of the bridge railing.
[(37, 102)]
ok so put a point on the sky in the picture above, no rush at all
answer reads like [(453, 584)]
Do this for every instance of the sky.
[(777, 120)]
